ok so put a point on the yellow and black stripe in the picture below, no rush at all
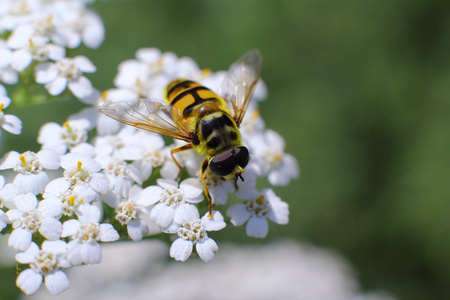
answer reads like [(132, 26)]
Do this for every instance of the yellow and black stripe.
[(214, 128)]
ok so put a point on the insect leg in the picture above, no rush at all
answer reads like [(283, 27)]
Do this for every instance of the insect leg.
[(179, 149), (205, 187)]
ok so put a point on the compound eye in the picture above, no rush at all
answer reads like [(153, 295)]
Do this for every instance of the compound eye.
[(225, 163), (242, 156)]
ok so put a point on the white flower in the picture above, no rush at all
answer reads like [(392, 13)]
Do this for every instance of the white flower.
[(83, 171), (61, 138), (267, 151), (257, 210), (153, 156), (85, 233), (45, 266), (10, 123), (171, 198), (193, 231), (30, 167), (129, 144), (35, 48), (121, 177), (130, 209), (66, 72), (28, 218), (61, 193)]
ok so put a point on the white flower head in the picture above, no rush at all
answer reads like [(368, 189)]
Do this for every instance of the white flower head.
[(60, 192), (28, 218), (66, 72), (30, 167), (84, 171), (192, 231), (85, 233), (130, 210), (171, 198), (45, 266), (62, 138), (128, 144), (267, 151), (257, 210), (121, 176)]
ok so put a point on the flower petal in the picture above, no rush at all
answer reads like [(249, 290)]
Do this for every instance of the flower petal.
[(206, 249), (56, 282), (108, 233), (19, 239), (29, 281), (238, 213), (181, 249), (257, 227)]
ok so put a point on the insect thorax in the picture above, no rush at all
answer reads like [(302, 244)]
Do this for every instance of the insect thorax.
[(217, 132)]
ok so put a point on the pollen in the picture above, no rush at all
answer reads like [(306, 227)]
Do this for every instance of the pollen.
[(23, 160), (206, 72), (260, 199), (104, 95), (79, 166), (255, 113), (72, 200), (278, 157), (2, 106)]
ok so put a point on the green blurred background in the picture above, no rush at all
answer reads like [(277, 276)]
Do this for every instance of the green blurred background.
[(358, 89)]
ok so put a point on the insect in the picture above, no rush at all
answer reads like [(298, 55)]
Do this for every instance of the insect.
[(209, 123)]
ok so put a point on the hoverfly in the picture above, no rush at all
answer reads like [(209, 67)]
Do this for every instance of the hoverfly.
[(206, 121)]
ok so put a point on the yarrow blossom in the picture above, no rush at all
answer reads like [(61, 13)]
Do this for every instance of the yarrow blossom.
[(45, 266), (95, 180)]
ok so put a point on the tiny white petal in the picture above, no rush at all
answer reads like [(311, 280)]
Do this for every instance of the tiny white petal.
[(150, 195), (238, 214), (162, 215), (56, 282), (26, 202), (21, 59), (206, 249), (257, 227), (46, 72), (214, 223), (186, 212), (19, 239), (181, 249), (57, 247), (91, 253), (84, 64), (137, 229), (81, 87), (70, 228), (51, 229), (29, 281), (108, 233), (12, 124), (191, 187), (49, 159), (28, 255), (100, 183), (10, 160), (88, 213), (57, 186), (57, 86)]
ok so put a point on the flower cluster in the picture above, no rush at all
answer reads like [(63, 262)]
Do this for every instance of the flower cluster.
[(36, 37), (109, 181)]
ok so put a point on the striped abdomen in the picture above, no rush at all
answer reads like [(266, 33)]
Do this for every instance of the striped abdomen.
[(207, 115)]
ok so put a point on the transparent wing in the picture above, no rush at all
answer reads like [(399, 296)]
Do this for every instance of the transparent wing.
[(239, 82), (154, 116)]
